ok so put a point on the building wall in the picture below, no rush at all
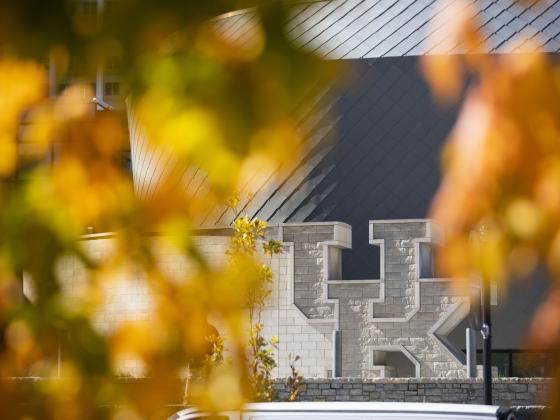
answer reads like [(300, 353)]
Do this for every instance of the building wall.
[(124, 291), (525, 395), (390, 325), (397, 314), (298, 335)]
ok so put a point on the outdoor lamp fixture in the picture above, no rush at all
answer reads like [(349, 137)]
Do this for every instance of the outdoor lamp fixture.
[(101, 104)]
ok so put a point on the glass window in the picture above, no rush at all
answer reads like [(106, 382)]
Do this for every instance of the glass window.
[(427, 261), (521, 364), (112, 89), (532, 364)]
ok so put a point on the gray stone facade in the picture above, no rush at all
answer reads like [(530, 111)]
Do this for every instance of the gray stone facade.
[(392, 326), (309, 242), (398, 317)]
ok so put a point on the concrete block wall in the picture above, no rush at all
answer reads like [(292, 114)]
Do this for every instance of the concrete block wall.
[(395, 314), (399, 265), (298, 311), (125, 292), (398, 313), (126, 296), (308, 267)]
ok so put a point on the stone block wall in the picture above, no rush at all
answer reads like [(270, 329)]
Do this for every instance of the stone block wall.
[(506, 391), (308, 267), (125, 292), (526, 396), (397, 314), (298, 311), (126, 295)]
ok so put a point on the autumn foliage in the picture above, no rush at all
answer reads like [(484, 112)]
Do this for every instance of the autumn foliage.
[(499, 201), (231, 110), (225, 108)]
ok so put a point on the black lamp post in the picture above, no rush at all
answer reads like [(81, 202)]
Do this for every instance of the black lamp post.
[(486, 331), (481, 320)]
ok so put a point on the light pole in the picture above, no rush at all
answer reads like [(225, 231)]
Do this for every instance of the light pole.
[(486, 332), (475, 324), (486, 329)]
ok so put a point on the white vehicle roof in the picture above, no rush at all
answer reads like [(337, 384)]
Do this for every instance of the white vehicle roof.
[(372, 406), (359, 407)]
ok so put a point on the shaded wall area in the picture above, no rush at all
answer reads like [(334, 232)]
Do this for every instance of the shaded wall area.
[(512, 316), (513, 354)]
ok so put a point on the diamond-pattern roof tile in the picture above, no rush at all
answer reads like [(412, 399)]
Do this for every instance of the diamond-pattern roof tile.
[(377, 28)]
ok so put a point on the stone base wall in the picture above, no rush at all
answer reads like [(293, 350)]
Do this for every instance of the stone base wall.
[(506, 391)]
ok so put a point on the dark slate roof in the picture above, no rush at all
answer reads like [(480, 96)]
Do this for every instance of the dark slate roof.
[(373, 146), (375, 152), (384, 163), (374, 143), (388, 28)]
